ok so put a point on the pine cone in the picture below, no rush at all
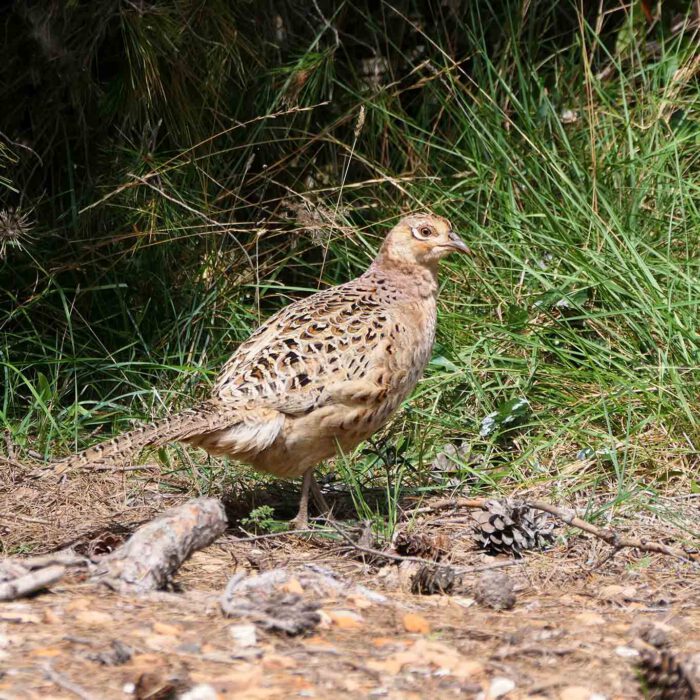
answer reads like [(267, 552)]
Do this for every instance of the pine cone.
[(512, 528), (432, 580), (420, 544), (289, 613), (665, 677)]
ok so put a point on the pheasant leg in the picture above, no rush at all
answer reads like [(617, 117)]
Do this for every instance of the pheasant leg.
[(301, 521), (309, 487)]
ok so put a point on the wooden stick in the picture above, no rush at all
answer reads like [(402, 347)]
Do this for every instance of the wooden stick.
[(613, 538), (152, 555), (275, 535), (569, 517), (65, 557), (474, 503), (31, 582), (62, 682)]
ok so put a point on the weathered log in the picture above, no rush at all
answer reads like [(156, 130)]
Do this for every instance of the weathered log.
[(149, 559)]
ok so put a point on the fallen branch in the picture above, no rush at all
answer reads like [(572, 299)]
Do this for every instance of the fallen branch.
[(275, 535), (614, 539), (30, 582), (475, 503), (419, 560), (152, 555), (22, 577), (66, 684), (65, 557), (569, 517)]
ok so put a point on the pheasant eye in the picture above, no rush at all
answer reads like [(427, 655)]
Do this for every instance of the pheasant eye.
[(426, 232)]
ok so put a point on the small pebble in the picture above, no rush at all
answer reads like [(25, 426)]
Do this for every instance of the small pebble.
[(243, 635), (500, 686), (626, 652), (202, 691)]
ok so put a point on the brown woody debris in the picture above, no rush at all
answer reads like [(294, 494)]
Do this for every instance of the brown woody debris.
[(665, 676), (158, 685), (151, 557), (260, 600)]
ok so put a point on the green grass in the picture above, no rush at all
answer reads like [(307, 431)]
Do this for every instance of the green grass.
[(582, 298)]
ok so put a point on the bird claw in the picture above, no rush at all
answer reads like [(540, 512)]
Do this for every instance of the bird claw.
[(301, 522)]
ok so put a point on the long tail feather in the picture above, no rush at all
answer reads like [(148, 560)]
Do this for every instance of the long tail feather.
[(205, 418)]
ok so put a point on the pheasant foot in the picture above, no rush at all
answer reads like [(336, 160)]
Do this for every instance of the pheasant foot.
[(309, 487), (301, 520)]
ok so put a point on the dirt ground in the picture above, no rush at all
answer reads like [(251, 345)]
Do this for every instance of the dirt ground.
[(573, 632)]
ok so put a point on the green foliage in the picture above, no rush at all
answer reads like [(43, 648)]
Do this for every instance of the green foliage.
[(261, 518), (191, 167)]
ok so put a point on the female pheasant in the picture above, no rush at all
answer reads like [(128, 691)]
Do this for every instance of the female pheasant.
[(322, 374)]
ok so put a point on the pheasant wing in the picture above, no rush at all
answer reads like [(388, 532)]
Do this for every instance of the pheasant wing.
[(332, 347)]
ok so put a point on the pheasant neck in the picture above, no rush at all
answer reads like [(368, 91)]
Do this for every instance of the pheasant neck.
[(411, 280)]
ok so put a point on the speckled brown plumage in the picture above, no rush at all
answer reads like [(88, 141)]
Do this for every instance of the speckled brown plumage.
[(324, 373)]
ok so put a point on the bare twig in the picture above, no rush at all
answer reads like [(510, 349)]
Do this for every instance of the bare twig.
[(488, 567), (12, 462), (275, 535), (129, 468), (30, 582), (9, 445), (24, 518), (66, 557), (613, 538), (62, 682), (443, 504)]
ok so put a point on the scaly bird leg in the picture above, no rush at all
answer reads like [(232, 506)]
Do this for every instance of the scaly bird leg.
[(301, 521), (309, 486)]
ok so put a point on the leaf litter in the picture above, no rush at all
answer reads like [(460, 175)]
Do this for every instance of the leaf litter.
[(576, 622)]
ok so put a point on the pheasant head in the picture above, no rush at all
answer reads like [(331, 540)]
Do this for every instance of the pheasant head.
[(421, 239)]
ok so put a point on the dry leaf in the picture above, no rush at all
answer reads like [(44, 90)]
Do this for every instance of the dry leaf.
[(164, 628), (94, 618), (413, 622), (441, 656), (590, 618), (292, 586), (345, 619)]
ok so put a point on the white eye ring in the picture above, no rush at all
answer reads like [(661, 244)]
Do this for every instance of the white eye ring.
[(418, 234)]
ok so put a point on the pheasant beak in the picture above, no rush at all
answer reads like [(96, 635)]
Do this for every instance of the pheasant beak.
[(457, 243)]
